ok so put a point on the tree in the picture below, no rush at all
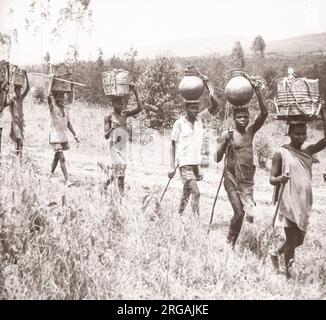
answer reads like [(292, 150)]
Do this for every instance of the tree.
[(237, 56), (159, 90), (258, 46), (47, 63), (10, 37), (97, 93)]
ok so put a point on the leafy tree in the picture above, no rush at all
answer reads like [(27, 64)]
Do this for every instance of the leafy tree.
[(237, 56), (159, 90), (259, 46)]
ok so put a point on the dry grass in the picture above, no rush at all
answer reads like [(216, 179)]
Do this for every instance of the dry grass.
[(98, 247)]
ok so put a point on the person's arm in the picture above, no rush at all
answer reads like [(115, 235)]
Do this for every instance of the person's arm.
[(27, 85), (263, 110), (276, 176), (139, 107), (176, 130), (222, 144), (212, 109), (71, 129), (107, 126), (321, 144), (172, 159), (50, 99)]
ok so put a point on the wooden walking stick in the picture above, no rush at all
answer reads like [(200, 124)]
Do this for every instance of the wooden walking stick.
[(274, 219), (217, 192), (278, 204), (168, 184)]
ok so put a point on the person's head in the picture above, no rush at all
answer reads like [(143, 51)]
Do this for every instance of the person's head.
[(297, 133), (17, 90), (192, 109), (59, 97), (117, 103), (241, 117)]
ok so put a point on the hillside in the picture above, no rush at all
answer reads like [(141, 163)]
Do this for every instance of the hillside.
[(223, 44)]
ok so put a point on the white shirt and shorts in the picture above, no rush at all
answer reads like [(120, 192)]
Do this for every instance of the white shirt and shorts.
[(189, 141)]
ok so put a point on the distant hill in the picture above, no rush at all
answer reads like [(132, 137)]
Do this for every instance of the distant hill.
[(223, 44), (306, 43)]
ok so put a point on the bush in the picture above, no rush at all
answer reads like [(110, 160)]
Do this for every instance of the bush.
[(39, 95), (263, 150)]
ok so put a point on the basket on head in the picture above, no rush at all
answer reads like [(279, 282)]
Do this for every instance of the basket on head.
[(62, 71), (116, 82), (17, 75), (297, 98)]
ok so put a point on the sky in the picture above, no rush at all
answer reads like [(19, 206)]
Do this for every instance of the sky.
[(121, 24)]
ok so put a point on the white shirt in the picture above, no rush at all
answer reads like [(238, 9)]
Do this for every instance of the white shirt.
[(189, 139)]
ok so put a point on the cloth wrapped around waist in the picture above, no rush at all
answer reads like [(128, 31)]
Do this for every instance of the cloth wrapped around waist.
[(242, 181)]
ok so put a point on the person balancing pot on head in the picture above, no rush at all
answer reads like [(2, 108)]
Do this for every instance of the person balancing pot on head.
[(292, 167), (115, 125), (187, 137), (237, 145), (60, 122)]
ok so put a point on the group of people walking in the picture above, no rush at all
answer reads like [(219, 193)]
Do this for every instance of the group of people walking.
[(291, 168)]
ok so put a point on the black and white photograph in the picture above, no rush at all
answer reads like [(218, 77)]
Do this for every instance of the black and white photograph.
[(169, 150)]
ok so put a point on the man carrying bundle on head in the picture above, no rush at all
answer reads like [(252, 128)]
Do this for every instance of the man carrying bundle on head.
[(115, 124), (237, 145), (60, 122), (292, 169), (3, 93), (187, 137), (16, 109)]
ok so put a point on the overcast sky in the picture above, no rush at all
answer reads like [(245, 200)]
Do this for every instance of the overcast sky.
[(120, 24)]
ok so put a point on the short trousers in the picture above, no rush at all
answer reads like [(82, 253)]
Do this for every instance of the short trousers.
[(119, 170), (59, 147)]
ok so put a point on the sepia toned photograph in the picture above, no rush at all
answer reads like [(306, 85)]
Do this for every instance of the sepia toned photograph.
[(162, 150)]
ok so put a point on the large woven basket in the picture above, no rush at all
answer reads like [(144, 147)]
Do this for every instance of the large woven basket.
[(62, 71), (297, 98), (116, 83), (17, 74)]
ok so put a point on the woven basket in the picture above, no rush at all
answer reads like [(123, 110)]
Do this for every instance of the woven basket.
[(297, 98), (116, 82), (63, 71), (18, 78)]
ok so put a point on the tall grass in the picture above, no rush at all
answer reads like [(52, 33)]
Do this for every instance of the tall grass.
[(95, 245)]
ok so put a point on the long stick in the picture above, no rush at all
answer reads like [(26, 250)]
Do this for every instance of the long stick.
[(63, 80), (278, 204), (274, 219), (168, 184), (217, 192)]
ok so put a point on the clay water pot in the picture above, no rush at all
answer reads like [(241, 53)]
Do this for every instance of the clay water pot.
[(191, 87), (238, 90)]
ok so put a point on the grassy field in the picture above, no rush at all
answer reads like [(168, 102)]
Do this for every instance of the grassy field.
[(98, 247)]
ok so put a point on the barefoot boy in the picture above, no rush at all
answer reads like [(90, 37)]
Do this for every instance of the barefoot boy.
[(115, 130), (187, 139), (60, 122), (240, 168), (17, 115), (291, 166)]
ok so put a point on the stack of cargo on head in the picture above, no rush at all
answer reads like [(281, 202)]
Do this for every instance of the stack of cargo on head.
[(191, 87), (17, 74), (297, 99), (116, 84), (63, 71), (238, 91)]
